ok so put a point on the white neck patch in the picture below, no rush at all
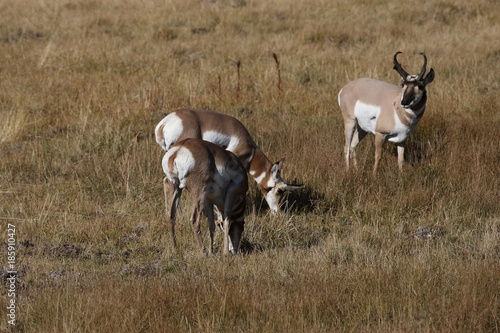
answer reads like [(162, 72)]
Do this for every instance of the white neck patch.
[(258, 178)]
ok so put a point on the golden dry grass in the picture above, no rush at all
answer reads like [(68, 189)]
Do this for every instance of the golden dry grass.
[(83, 83)]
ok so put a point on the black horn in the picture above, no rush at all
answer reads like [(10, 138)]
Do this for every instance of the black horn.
[(398, 67), (422, 73), (294, 187)]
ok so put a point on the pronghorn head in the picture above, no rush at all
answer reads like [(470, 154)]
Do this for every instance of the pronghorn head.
[(413, 85), (276, 187)]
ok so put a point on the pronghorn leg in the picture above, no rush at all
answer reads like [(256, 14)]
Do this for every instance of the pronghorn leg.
[(401, 155), (229, 202), (350, 126), (196, 221), (379, 142), (226, 236), (174, 193), (358, 135), (234, 212), (209, 211), (235, 231), (220, 219)]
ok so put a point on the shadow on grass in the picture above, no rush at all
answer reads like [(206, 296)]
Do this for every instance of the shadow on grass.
[(285, 229), (295, 202)]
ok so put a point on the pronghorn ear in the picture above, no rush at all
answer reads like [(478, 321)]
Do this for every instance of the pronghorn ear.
[(276, 169), (429, 77), (280, 162)]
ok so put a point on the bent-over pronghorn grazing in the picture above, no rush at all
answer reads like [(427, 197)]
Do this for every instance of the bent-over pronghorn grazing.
[(389, 111), (230, 134), (213, 176)]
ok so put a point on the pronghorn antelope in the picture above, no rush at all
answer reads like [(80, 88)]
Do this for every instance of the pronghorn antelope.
[(389, 111), (230, 134), (213, 176)]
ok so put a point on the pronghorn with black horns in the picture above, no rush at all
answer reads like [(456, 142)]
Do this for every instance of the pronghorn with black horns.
[(214, 177), (389, 111), (230, 134)]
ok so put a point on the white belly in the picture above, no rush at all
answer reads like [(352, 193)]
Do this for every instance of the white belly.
[(225, 141)]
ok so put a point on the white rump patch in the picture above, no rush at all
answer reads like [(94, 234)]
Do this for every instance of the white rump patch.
[(171, 131), (183, 164), (164, 162), (367, 116), (225, 141)]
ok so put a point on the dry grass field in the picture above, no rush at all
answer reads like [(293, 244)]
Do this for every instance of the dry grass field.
[(83, 84)]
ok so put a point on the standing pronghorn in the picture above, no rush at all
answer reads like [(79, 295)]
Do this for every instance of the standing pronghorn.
[(213, 176), (230, 134), (389, 111)]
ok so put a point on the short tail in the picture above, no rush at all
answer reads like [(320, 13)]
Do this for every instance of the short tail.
[(159, 135), (338, 98)]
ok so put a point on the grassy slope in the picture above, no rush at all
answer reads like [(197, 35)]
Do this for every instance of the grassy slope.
[(83, 83)]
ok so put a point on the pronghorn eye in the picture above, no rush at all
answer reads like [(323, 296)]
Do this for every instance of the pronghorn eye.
[(280, 191)]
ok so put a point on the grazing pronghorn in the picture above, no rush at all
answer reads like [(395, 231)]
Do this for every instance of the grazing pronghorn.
[(213, 176), (230, 134), (389, 111)]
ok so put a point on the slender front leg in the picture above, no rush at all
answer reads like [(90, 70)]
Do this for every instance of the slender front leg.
[(209, 211), (401, 155), (226, 236), (379, 143), (196, 221), (350, 126), (220, 219), (233, 204), (174, 193), (358, 135)]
